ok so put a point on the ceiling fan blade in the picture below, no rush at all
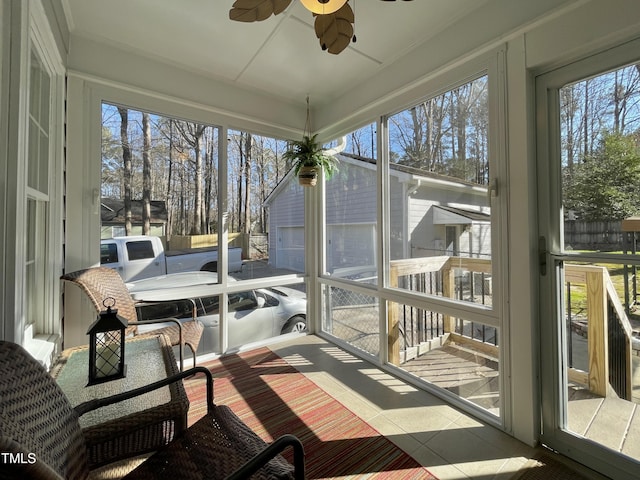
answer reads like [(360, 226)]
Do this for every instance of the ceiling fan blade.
[(335, 30), (256, 10)]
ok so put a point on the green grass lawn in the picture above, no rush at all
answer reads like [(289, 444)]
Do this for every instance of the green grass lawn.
[(616, 272)]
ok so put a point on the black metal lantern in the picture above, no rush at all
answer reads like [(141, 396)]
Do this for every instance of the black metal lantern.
[(106, 345)]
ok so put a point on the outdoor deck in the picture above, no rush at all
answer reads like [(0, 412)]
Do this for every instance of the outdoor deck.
[(470, 375), (610, 421)]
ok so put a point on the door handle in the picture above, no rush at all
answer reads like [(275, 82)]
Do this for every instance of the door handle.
[(492, 190), (542, 254)]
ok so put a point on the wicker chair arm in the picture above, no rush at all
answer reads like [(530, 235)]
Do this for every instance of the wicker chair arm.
[(161, 320), (274, 448), (103, 402)]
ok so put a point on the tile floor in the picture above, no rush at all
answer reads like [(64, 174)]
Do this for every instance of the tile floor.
[(450, 443)]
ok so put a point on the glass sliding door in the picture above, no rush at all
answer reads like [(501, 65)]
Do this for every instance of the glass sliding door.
[(589, 191)]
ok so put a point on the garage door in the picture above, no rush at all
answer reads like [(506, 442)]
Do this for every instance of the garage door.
[(290, 248)]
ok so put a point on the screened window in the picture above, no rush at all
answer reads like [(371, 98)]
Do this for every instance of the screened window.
[(163, 176), (440, 216), (351, 210)]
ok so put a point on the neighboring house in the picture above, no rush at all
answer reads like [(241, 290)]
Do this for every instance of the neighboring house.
[(430, 215), (112, 217)]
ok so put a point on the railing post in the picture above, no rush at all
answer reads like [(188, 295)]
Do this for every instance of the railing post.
[(448, 291), (393, 320), (597, 333)]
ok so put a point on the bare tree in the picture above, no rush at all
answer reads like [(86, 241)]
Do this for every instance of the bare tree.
[(446, 134), (361, 142), (192, 134), (569, 105), (625, 96), (159, 158)]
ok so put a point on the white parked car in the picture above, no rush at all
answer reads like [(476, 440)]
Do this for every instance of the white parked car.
[(254, 315)]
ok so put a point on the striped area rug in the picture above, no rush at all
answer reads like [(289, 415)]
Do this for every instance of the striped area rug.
[(273, 398)]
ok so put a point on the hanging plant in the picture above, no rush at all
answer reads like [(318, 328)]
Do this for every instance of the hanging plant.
[(308, 158)]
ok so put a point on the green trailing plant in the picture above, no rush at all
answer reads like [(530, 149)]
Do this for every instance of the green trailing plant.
[(308, 153)]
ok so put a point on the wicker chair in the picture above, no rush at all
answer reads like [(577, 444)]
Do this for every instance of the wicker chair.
[(40, 436), (100, 283)]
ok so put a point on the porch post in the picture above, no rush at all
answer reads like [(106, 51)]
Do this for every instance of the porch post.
[(393, 335), (448, 291), (597, 333)]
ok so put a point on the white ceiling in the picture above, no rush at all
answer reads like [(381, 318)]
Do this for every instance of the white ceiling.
[(280, 56)]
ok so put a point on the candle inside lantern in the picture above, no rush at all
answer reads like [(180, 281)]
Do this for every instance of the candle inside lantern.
[(107, 360)]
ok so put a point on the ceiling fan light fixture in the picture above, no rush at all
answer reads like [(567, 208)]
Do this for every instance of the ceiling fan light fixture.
[(323, 7)]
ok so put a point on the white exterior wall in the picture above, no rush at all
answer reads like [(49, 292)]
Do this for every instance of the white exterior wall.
[(427, 239), (476, 241)]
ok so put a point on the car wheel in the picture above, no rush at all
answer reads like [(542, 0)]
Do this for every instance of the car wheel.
[(295, 324), (210, 267)]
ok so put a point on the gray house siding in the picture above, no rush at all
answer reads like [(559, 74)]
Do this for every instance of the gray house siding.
[(398, 213), (351, 217), (286, 227)]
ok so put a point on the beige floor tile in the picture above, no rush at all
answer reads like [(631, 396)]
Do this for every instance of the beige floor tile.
[(437, 465), (449, 443)]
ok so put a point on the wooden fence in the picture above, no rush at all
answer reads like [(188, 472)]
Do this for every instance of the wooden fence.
[(254, 246), (603, 236)]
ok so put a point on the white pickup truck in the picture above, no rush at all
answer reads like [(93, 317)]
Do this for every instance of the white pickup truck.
[(141, 256)]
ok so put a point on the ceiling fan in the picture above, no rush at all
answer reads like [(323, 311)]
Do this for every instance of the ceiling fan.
[(333, 25)]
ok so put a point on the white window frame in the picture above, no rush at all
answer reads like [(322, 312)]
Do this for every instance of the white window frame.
[(43, 336)]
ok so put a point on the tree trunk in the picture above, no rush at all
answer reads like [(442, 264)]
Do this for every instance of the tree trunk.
[(169, 194), (247, 185), (239, 183), (197, 214), (146, 175), (126, 167), (586, 119)]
